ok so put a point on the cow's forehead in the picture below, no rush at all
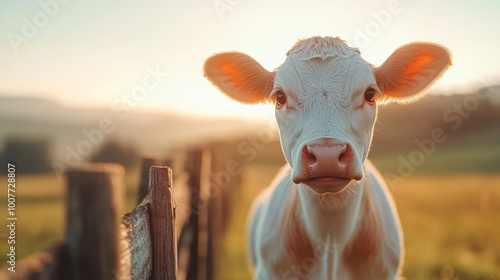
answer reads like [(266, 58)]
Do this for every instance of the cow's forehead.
[(323, 65), (321, 47)]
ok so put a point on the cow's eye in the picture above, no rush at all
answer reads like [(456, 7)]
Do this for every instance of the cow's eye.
[(370, 95), (280, 99)]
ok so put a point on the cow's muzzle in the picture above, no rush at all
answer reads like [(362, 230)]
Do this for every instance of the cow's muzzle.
[(327, 164)]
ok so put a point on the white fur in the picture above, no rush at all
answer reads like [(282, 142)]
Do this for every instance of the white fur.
[(296, 231), (330, 232)]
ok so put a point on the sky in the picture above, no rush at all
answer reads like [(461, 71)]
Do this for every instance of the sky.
[(149, 54)]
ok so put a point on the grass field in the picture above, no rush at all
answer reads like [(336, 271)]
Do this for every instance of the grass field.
[(451, 225), (450, 222), (41, 212)]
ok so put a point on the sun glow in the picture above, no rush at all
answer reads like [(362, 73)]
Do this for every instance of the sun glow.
[(67, 57)]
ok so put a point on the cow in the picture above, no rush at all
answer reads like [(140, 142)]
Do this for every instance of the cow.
[(328, 214)]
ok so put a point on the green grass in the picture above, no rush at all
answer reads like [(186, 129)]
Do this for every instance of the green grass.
[(41, 212), (233, 264), (450, 223)]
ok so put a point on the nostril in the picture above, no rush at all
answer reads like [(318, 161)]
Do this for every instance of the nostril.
[(312, 158), (342, 157), (308, 155), (345, 155)]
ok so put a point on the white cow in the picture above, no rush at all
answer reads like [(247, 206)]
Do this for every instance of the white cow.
[(328, 214)]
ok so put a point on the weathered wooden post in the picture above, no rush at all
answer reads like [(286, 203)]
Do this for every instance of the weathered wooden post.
[(163, 232), (95, 199)]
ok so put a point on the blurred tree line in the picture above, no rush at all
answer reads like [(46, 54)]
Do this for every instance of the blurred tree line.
[(398, 125), (28, 155), (33, 156), (468, 121)]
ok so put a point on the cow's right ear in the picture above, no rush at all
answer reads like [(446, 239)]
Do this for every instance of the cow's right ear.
[(239, 76), (411, 69)]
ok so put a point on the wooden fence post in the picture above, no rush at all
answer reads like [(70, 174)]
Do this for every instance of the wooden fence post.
[(198, 166), (226, 168), (95, 199), (203, 219), (193, 166), (143, 190), (163, 232)]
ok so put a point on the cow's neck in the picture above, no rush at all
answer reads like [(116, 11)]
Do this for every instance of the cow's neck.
[(329, 216), (344, 233)]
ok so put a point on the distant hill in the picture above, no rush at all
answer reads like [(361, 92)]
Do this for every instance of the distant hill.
[(470, 124), (455, 114), (64, 128)]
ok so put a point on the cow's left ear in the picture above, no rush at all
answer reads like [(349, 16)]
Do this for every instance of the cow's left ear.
[(411, 69)]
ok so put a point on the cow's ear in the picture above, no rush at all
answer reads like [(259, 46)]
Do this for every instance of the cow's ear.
[(410, 70), (239, 76)]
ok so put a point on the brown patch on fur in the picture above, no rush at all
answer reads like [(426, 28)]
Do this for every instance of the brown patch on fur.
[(297, 244), (365, 246)]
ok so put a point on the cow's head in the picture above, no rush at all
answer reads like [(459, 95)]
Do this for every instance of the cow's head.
[(326, 99)]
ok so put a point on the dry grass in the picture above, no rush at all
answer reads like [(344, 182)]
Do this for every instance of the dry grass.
[(451, 225)]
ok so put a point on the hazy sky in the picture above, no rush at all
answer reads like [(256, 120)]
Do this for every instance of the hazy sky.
[(149, 54)]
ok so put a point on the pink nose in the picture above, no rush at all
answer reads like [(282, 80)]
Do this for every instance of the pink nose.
[(327, 159)]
